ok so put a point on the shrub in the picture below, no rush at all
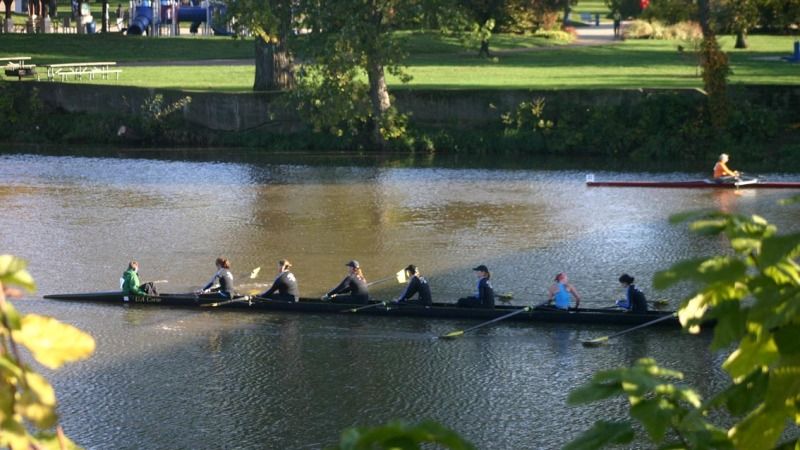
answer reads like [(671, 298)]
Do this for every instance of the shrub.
[(637, 29), (681, 31), (557, 35)]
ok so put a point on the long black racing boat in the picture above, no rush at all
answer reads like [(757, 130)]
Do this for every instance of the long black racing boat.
[(436, 311)]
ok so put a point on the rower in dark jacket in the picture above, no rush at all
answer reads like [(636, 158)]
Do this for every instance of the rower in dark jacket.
[(484, 294), (353, 284), (417, 284), (285, 285), (634, 300), (222, 281)]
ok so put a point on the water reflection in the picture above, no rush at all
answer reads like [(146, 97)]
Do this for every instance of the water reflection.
[(165, 378)]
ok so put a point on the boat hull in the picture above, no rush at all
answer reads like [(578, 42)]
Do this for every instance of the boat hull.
[(437, 311)]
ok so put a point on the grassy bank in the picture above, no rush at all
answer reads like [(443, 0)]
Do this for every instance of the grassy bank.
[(435, 61)]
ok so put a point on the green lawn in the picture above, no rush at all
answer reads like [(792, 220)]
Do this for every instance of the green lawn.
[(441, 63), (65, 48)]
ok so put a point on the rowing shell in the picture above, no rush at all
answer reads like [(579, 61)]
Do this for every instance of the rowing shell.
[(698, 184), (436, 311)]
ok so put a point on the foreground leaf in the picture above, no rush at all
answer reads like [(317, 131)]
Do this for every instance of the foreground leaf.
[(53, 343), (603, 433), (12, 272)]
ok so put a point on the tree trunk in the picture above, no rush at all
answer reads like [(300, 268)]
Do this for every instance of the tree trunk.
[(379, 98), (741, 39), (8, 5), (104, 23), (274, 66)]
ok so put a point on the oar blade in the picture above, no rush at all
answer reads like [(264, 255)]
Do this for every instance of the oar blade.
[(597, 342), (254, 273), (452, 334), (401, 277)]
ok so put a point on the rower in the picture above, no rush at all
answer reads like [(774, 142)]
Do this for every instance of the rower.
[(354, 284), (484, 294), (634, 300), (285, 285), (560, 293), (130, 283), (222, 281), (722, 173), (417, 284)]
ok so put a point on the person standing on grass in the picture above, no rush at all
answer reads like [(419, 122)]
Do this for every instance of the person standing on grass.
[(617, 20)]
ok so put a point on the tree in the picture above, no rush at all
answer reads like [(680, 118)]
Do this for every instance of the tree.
[(754, 297), (737, 16), (349, 37), (28, 405), (271, 22)]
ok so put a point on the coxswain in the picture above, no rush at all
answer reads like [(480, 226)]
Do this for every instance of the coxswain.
[(721, 171), (560, 293), (417, 285), (484, 294), (130, 283), (634, 300), (285, 285), (222, 281), (354, 285)]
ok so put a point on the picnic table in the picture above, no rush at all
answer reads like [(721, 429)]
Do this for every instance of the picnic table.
[(17, 66), (78, 70)]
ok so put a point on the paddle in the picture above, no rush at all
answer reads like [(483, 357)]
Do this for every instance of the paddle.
[(457, 333), (596, 342)]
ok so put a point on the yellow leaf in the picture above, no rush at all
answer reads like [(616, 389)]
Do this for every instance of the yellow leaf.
[(694, 309), (53, 343), (38, 402), (13, 435), (12, 271)]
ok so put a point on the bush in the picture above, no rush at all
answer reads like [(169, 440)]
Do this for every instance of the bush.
[(637, 29), (681, 31), (557, 35)]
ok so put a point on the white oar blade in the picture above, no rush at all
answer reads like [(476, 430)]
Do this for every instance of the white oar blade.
[(401, 277)]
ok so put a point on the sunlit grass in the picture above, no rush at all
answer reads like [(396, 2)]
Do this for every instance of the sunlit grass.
[(443, 63)]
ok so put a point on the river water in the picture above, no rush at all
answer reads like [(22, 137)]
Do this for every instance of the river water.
[(172, 378)]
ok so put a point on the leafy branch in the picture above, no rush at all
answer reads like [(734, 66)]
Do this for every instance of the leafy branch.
[(27, 400)]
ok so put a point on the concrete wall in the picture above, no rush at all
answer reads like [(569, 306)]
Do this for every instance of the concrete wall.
[(463, 107)]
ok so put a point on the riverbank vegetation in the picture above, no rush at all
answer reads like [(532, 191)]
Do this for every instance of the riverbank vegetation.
[(340, 76)]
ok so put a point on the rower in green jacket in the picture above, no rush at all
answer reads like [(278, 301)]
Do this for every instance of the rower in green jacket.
[(130, 282)]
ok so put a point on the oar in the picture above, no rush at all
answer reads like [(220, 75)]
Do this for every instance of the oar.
[(505, 296), (399, 276), (246, 298), (596, 342), (457, 333), (360, 308)]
